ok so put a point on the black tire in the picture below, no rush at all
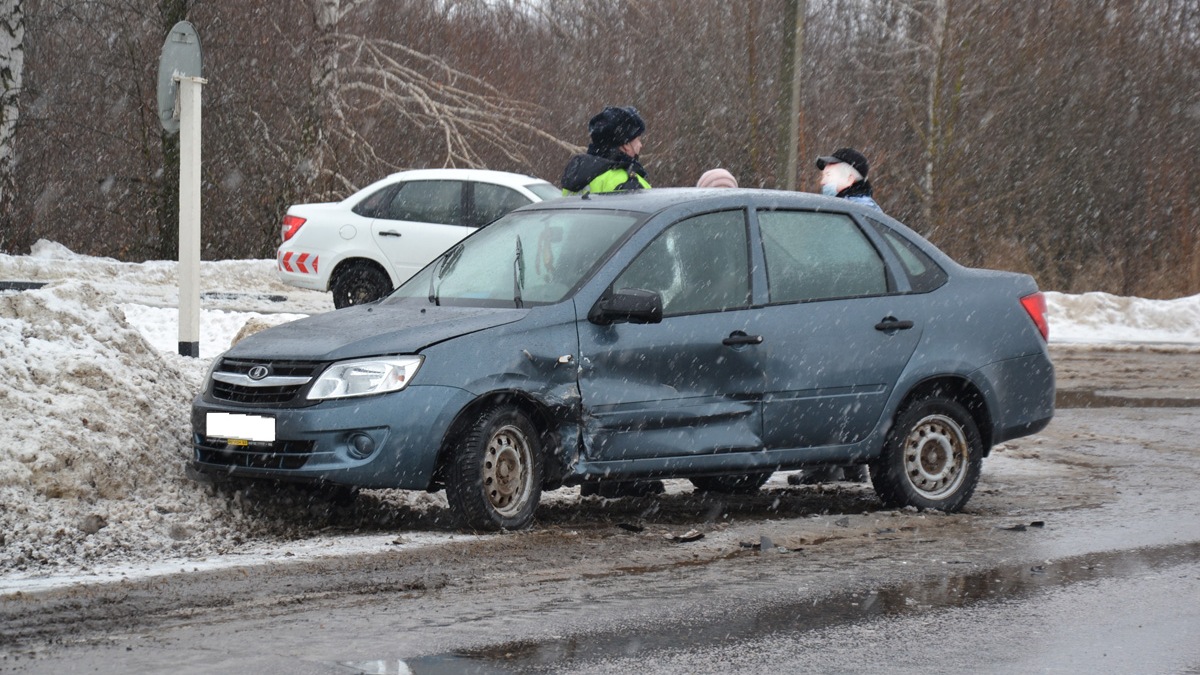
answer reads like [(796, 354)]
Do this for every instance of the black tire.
[(738, 484), (494, 479), (932, 458), (358, 283)]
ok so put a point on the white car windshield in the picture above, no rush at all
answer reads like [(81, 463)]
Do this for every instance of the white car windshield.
[(523, 259)]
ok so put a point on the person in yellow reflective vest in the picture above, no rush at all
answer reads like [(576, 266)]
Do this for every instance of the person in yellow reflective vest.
[(611, 162)]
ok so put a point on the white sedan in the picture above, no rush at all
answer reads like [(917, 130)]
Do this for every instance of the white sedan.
[(369, 243)]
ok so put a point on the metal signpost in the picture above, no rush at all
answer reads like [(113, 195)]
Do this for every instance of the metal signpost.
[(179, 86)]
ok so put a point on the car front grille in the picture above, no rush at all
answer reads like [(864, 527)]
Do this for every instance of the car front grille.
[(278, 455), (233, 381)]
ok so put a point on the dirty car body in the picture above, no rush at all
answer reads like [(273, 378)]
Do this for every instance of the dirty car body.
[(716, 335)]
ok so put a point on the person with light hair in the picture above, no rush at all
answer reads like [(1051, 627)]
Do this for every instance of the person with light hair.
[(717, 178), (844, 175)]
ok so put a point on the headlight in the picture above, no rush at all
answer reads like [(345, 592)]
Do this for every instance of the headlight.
[(365, 377), (208, 379)]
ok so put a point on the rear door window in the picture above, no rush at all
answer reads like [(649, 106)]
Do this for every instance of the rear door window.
[(818, 256)]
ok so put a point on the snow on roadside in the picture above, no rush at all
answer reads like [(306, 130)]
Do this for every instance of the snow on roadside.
[(96, 430), (1101, 318)]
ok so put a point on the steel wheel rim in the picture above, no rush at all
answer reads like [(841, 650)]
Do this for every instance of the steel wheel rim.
[(935, 457), (507, 479)]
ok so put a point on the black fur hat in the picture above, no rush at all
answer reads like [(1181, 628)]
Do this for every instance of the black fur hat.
[(614, 127)]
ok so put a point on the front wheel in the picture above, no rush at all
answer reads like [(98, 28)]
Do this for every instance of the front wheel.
[(495, 476), (359, 283), (932, 458)]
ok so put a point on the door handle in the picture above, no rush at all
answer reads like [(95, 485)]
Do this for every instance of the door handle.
[(738, 338), (892, 324), (389, 233)]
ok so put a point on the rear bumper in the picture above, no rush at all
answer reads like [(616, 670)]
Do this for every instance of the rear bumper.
[(1022, 395), (303, 269)]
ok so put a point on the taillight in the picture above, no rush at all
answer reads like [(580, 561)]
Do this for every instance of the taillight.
[(1036, 306), (291, 225)]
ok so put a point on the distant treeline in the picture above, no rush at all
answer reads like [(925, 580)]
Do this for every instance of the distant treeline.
[(1055, 137)]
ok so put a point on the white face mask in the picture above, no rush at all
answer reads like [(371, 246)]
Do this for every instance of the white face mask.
[(838, 177)]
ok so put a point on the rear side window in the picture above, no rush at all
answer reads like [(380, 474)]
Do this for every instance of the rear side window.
[(697, 265), (493, 201), (818, 256), (923, 273), (428, 201), (375, 205)]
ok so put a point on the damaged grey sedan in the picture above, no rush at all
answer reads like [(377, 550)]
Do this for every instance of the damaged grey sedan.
[(712, 335)]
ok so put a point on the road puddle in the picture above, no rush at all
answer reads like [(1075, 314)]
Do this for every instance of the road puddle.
[(996, 584)]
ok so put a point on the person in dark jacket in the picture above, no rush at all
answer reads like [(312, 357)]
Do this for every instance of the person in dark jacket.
[(844, 175), (611, 162)]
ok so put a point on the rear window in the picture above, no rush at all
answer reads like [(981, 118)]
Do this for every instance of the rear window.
[(923, 273), (544, 190)]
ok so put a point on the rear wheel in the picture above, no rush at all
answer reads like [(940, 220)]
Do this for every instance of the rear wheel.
[(358, 283), (738, 484), (495, 478), (932, 458)]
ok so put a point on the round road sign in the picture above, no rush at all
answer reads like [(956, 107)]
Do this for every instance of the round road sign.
[(180, 58)]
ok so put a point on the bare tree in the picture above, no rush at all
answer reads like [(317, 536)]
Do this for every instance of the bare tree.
[(413, 89), (12, 65)]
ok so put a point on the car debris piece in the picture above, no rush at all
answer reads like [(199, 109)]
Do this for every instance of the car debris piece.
[(689, 536)]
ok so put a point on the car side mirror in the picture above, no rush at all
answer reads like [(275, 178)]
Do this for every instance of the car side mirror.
[(627, 305)]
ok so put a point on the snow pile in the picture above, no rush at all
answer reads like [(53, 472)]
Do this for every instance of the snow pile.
[(1105, 318), (95, 434), (91, 446)]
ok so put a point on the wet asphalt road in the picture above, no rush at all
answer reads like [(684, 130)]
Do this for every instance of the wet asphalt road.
[(1079, 553)]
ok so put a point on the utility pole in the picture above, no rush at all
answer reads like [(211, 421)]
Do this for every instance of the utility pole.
[(793, 59)]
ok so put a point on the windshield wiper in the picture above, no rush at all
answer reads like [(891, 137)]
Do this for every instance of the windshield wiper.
[(518, 274), (445, 264)]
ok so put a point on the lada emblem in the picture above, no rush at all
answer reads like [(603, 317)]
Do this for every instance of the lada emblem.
[(258, 372)]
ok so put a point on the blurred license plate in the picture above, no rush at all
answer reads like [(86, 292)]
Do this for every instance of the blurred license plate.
[(257, 428)]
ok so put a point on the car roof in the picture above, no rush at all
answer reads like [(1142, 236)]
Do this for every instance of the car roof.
[(483, 175), (656, 200)]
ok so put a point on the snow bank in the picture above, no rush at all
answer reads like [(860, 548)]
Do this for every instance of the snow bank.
[(94, 435), (96, 430), (1101, 318)]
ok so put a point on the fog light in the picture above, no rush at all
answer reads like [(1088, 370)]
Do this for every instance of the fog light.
[(361, 446)]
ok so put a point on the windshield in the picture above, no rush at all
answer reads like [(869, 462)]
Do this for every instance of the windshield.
[(523, 259), (544, 190)]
